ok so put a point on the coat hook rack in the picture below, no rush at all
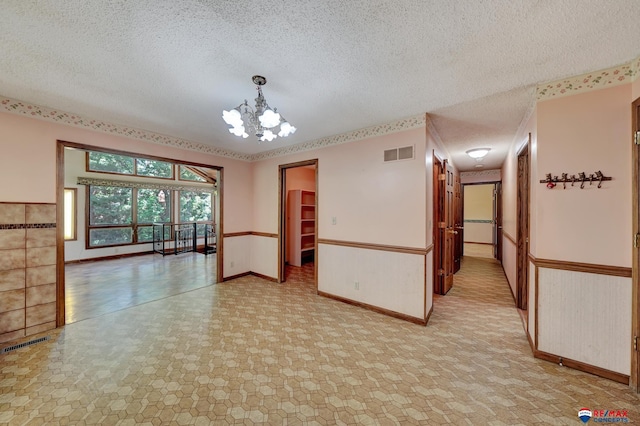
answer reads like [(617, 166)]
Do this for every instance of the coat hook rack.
[(597, 177)]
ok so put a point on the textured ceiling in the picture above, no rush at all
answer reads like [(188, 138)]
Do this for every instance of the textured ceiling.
[(332, 66)]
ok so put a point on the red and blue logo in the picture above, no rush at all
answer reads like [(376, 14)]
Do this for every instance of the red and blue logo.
[(603, 416), (585, 415)]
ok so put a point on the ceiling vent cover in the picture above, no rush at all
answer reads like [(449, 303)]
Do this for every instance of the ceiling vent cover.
[(395, 154)]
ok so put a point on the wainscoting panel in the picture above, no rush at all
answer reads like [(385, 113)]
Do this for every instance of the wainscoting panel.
[(429, 282), (264, 255), (384, 279), (531, 311), (585, 317), (237, 255)]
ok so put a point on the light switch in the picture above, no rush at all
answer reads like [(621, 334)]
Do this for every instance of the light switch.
[(334, 220)]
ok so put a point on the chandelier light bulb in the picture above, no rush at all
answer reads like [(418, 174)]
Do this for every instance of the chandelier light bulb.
[(268, 136), (269, 119), (232, 118), (286, 129)]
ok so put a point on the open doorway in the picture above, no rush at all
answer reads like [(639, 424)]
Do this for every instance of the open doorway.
[(480, 213), (298, 224), (128, 211)]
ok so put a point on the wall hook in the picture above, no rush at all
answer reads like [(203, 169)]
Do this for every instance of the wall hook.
[(583, 177)]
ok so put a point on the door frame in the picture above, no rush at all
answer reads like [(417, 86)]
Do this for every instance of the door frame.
[(282, 218), (61, 145), (523, 214), (498, 220), (634, 377), (438, 216)]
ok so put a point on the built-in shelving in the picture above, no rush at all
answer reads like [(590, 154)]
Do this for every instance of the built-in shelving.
[(301, 216)]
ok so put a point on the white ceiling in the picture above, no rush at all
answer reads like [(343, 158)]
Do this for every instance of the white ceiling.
[(172, 66)]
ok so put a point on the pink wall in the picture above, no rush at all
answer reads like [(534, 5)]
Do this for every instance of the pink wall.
[(372, 201), (28, 164), (635, 89), (585, 132)]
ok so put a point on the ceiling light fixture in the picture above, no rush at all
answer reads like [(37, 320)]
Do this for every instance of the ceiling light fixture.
[(262, 121), (478, 152)]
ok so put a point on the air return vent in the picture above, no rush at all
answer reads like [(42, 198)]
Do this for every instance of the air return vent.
[(24, 345), (404, 153)]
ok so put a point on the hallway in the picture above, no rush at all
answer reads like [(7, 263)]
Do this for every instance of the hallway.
[(252, 351)]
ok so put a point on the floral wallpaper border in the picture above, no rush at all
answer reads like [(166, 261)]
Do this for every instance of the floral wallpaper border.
[(621, 74), (368, 132), (76, 120)]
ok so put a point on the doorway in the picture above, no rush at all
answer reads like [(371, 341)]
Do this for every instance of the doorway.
[(157, 187), (298, 213), (522, 239), (480, 217)]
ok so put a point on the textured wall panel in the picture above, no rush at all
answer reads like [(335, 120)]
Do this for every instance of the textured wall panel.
[(585, 317), (388, 280)]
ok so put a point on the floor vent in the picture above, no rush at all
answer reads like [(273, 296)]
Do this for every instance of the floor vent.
[(404, 153), (25, 344)]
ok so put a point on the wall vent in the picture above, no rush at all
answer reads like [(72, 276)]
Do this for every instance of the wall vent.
[(23, 345), (395, 154)]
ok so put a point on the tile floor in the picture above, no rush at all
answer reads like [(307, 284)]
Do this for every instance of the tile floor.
[(251, 351)]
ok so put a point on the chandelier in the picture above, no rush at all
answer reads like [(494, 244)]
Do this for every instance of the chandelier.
[(263, 121)]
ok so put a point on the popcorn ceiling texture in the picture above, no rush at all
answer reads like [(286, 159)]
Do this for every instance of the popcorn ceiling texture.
[(164, 71)]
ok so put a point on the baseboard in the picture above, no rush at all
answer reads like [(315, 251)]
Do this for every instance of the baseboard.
[(264, 277), (398, 315), (478, 242), (426, 320), (581, 366), (233, 277), (255, 274)]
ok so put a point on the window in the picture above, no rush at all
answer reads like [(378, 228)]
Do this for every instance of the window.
[(196, 207), (187, 174), (110, 163), (125, 165), (120, 215), (70, 221)]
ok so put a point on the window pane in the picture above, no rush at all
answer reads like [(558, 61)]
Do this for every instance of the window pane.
[(154, 205), (70, 214), (195, 206), (102, 162), (154, 168), (186, 174), (110, 236), (109, 205), (145, 234)]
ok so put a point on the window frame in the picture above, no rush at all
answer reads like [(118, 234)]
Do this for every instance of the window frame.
[(135, 166)]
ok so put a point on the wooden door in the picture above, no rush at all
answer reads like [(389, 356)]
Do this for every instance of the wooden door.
[(634, 378), (522, 253), (457, 223), (449, 229), (438, 225)]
